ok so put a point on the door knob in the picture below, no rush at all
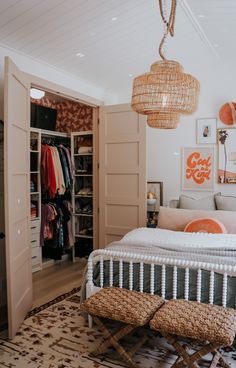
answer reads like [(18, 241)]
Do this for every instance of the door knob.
[(2, 236)]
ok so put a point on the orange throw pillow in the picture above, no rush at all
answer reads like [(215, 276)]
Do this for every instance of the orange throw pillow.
[(205, 225)]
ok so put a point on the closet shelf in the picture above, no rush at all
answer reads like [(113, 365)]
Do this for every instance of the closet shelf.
[(82, 174), (83, 154), (54, 133), (83, 195), (83, 214), (34, 172), (32, 193), (34, 151), (83, 236)]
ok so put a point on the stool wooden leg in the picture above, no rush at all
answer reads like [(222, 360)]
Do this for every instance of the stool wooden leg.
[(141, 341), (182, 361), (223, 363), (112, 339), (190, 360)]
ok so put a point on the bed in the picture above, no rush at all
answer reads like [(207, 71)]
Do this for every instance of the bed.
[(172, 264)]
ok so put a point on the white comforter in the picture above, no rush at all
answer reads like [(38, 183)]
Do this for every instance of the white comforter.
[(201, 247)]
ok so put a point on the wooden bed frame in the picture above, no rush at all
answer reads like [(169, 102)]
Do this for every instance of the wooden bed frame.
[(112, 256)]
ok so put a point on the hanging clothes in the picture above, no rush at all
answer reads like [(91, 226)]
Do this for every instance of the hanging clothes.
[(70, 164), (65, 167), (48, 175), (56, 231), (60, 183), (56, 170)]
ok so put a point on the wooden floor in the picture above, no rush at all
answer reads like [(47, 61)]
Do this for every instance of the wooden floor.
[(56, 280)]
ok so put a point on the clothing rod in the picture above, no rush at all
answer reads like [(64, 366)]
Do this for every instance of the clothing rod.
[(55, 134)]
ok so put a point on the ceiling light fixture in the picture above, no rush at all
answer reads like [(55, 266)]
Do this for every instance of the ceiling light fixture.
[(79, 54), (130, 75), (114, 19), (37, 94), (201, 16), (166, 91)]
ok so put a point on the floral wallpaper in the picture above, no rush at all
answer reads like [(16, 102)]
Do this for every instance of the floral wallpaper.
[(71, 116)]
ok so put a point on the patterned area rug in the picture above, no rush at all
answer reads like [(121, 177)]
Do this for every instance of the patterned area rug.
[(56, 336)]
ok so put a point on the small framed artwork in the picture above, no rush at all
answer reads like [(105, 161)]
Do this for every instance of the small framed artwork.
[(206, 131), (198, 168), (227, 156)]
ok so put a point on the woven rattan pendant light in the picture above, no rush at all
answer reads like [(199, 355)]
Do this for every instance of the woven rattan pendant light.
[(166, 91)]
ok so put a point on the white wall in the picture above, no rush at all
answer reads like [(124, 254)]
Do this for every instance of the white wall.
[(164, 146)]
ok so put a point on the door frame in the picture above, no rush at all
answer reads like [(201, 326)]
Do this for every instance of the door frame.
[(65, 92), (72, 95), (56, 89)]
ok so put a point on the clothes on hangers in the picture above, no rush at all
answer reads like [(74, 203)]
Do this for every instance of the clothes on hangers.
[(48, 176), (56, 228), (56, 169)]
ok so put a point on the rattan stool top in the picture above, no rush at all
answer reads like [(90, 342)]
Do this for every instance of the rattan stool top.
[(203, 322), (123, 305)]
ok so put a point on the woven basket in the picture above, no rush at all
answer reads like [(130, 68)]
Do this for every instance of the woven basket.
[(163, 120), (165, 89)]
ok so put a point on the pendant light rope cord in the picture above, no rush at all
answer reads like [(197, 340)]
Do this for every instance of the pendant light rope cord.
[(170, 24)]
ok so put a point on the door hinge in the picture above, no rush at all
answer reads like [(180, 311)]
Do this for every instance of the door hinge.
[(2, 235)]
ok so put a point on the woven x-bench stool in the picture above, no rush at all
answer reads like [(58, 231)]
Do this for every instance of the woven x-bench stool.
[(212, 326), (132, 308)]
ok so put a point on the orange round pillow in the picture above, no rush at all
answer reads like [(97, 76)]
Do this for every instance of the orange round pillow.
[(227, 113), (205, 225)]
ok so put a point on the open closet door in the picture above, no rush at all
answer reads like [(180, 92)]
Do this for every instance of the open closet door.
[(122, 172), (16, 190)]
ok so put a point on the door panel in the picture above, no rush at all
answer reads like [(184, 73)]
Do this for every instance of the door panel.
[(122, 172), (16, 189)]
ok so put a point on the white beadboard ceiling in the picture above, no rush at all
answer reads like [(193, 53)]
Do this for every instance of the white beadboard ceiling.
[(54, 31)]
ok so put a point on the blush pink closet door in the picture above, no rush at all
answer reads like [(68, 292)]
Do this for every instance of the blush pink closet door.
[(16, 191), (122, 172)]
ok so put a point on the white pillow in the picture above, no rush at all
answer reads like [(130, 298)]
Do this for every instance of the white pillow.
[(204, 203), (225, 203)]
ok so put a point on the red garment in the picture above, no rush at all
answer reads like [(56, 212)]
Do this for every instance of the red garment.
[(48, 177)]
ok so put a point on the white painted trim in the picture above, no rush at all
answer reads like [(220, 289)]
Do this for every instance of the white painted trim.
[(57, 89)]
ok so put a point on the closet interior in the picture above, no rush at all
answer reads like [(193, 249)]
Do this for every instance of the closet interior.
[(63, 180)]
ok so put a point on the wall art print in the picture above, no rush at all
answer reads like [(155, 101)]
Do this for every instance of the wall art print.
[(198, 168), (226, 156), (206, 131)]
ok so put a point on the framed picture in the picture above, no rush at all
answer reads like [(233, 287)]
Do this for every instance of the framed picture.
[(154, 201), (206, 131), (226, 156), (198, 168)]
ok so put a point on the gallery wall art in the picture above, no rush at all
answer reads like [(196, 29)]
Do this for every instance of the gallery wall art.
[(206, 131), (198, 168)]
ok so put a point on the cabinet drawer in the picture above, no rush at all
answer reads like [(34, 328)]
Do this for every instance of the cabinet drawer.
[(35, 227), (36, 256), (35, 240)]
